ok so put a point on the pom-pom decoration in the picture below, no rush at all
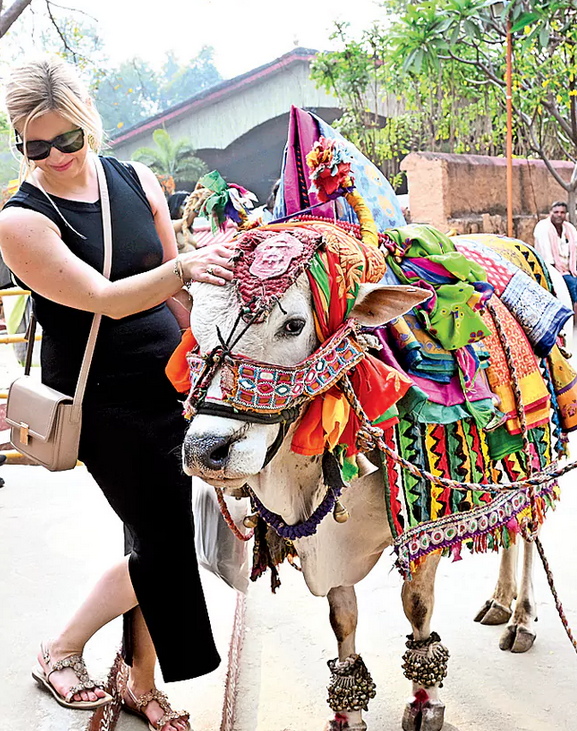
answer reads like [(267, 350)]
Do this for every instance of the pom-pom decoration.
[(225, 202), (330, 169)]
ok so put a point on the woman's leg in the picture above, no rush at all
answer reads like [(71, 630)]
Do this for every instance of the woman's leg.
[(141, 678), (112, 596), (144, 483)]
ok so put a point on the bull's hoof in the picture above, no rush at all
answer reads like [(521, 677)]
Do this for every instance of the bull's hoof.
[(427, 716), (517, 639), (340, 723), (493, 613)]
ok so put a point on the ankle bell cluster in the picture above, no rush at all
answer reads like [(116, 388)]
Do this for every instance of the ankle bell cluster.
[(351, 686), (425, 661)]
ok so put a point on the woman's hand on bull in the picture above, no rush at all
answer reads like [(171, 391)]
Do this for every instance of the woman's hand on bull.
[(212, 264)]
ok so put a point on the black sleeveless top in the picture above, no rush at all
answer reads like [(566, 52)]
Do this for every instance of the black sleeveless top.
[(130, 353)]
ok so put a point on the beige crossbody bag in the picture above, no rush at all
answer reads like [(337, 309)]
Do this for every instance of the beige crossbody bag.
[(44, 423)]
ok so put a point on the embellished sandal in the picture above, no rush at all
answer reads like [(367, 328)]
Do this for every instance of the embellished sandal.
[(75, 663), (162, 700)]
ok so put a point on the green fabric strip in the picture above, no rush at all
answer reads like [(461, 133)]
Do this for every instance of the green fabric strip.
[(319, 273), (457, 454), (17, 313), (410, 438), (501, 443)]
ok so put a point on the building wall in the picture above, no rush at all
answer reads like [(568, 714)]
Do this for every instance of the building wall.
[(468, 193), (234, 113)]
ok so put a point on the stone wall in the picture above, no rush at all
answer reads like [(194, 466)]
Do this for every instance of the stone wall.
[(468, 193)]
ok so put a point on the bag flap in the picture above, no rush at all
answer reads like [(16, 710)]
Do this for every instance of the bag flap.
[(35, 405)]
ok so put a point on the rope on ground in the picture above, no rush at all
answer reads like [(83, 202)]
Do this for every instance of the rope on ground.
[(233, 671), (558, 604), (106, 717)]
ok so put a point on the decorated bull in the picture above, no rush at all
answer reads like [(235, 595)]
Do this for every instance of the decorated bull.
[(351, 435)]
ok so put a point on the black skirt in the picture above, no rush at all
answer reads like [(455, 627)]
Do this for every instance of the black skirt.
[(133, 452)]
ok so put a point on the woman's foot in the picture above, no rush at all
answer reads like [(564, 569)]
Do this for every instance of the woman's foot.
[(67, 678), (152, 705)]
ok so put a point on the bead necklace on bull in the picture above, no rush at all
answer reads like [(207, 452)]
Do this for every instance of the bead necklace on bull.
[(269, 260)]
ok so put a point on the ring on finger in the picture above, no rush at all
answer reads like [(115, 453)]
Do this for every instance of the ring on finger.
[(210, 270)]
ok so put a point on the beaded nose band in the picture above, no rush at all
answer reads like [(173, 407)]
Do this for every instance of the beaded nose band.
[(248, 385)]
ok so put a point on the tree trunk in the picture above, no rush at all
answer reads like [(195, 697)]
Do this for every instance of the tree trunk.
[(571, 198)]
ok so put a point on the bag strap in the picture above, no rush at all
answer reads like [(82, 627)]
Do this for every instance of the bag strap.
[(89, 352), (30, 334), (107, 233)]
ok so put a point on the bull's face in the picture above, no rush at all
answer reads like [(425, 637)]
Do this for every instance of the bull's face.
[(226, 452)]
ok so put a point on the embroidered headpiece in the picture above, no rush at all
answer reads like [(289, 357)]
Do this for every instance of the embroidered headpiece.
[(268, 261)]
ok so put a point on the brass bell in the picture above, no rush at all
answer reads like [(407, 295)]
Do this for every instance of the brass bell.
[(250, 521), (340, 513)]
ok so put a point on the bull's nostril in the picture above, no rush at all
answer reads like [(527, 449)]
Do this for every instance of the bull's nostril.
[(216, 453), (208, 453), (218, 457)]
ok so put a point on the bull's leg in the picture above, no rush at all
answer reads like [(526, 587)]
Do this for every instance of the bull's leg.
[(351, 686), (519, 635), (497, 609), (425, 660)]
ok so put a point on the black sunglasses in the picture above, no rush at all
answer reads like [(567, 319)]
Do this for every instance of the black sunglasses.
[(40, 149)]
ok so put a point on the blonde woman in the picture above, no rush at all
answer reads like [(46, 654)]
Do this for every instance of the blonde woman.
[(51, 238)]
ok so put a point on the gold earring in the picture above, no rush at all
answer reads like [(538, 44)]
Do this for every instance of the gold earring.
[(92, 142)]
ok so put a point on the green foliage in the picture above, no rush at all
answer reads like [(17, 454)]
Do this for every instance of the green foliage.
[(172, 158), (353, 75), (127, 94), (393, 106), (181, 81), (50, 28), (470, 35)]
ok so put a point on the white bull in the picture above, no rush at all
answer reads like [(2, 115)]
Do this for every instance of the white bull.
[(229, 453)]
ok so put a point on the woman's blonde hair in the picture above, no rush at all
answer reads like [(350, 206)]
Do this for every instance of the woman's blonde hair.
[(49, 84)]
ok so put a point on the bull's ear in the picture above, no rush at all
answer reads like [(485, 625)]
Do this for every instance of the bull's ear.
[(379, 303)]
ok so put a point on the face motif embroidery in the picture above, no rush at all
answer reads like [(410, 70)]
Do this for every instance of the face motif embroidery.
[(273, 256)]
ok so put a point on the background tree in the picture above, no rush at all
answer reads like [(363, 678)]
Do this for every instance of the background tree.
[(127, 94), (44, 24), (133, 91), (171, 158), (180, 81), (392, 108), (10, 14), (470, 35)]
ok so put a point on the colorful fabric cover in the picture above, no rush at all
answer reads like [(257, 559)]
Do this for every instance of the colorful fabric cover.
[(541, 315), (437, 429), (294, 193), (456, 414), (335, 273), (429, 259)]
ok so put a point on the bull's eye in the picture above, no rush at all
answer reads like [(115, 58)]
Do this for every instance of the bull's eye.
[(293, 326)]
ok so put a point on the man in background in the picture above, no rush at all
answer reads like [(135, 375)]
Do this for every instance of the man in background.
[(556, 241)]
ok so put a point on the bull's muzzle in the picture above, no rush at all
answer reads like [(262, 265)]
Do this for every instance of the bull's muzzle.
[(202, 454)]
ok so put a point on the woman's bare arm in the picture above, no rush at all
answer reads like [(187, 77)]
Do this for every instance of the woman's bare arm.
[(33, 249)]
